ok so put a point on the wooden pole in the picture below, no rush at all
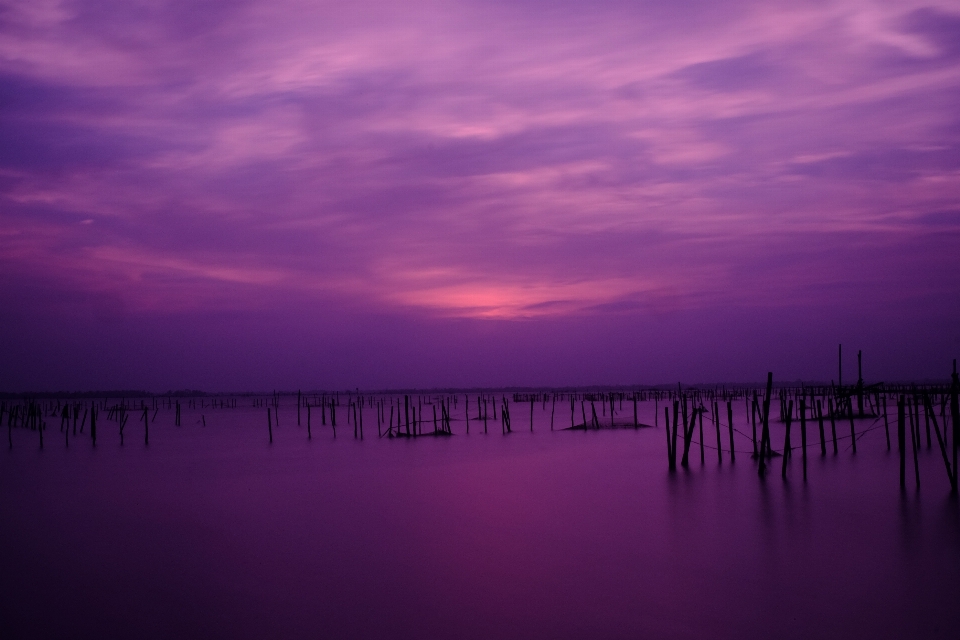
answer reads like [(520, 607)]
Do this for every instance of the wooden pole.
[(951, 473), (914, 439), (787, 449), (803, 433), (833, 423), (716, 419), (886, 423), (484, 415), (333, 416), (853, 431), (673, 448), (765, 432), (730, 425), (954, 413), (840, 365), (671, 459), (823, 438), (688, 428), (700, 422)]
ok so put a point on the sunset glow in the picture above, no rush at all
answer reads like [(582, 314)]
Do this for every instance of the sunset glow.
[(486, 161)]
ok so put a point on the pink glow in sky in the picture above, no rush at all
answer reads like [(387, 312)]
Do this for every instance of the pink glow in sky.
[(288, 194)]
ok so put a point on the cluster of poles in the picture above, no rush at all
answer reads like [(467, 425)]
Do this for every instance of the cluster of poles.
[(75, 416), (816, 405), (929, 409)]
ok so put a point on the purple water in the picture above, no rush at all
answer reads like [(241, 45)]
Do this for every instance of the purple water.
[(212, 531)]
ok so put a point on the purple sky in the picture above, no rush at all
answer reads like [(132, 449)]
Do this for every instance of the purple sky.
[(258, 195)]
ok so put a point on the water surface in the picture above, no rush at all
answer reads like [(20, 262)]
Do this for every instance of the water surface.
[(212, 531)]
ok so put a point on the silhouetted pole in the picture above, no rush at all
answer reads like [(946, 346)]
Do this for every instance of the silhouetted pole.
[(823, 438), (146, 428), (853, 431), (951, 473), (688, 427), (787, 450), (902, 442), (914, 440), (886, 423), (803, 433), (765, 432), (840, 365), (833, 423), (700, 422), (859, 383), (955, 413), (671, 458), (673, 449), (716, 420), (730, 424)]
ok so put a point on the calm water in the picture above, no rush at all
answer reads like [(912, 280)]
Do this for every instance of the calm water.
[(211, 531)]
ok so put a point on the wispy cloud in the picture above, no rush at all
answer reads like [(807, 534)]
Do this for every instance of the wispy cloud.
[(473, 159)]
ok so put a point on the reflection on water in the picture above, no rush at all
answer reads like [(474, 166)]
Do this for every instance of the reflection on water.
[(213, 531)]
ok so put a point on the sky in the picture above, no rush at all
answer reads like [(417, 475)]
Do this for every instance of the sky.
[(329, 195)]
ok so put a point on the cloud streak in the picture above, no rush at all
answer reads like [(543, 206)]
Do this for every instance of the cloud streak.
[(481, 160)]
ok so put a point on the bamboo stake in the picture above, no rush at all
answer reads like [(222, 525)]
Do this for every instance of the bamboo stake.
[(730, 425), (914, 437), (833, 424), (803, 433), (716, 419), (886, 423), (853, 431), (787, 450), (765, 432), (951, 473), (671, 459)]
